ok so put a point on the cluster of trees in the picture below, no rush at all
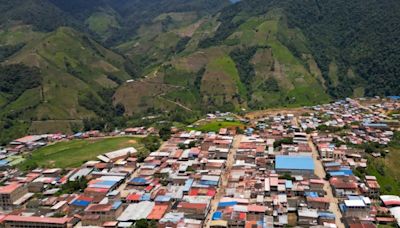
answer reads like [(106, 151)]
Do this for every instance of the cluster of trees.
[(108, 115), (8, 50), (279, 142), (242, 58), (74, 186), (15, 79)]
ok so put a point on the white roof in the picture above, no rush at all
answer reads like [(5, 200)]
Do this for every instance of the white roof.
[(240, 208), (308, 213), (81, 172), (396, 213), (210, 178), (136, 211), (121, 152), (103, 158), (354, 203)]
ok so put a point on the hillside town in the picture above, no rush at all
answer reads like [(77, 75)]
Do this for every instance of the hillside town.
[(300, 169)]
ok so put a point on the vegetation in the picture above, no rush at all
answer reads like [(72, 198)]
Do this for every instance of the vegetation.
[(198, 56), (73, 186), (16, 79), (77, 151), (386, 168), (215, 126)]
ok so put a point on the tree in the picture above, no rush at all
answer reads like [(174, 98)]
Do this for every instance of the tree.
[(152, 143), (165, 133), (145, 223), (119, 109)]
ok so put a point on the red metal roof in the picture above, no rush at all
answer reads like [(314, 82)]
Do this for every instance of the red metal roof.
[(9, 188), (99, 207), (134, 197), (158, 212), (256, 208)]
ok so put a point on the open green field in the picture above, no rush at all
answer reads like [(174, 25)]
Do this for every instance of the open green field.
[(74, 153), (216, 125)]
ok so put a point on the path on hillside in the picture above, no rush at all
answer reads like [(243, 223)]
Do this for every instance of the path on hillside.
[(320, 172), (176, 103), (224, 179)]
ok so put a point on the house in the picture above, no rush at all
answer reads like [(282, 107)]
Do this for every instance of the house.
[(97, 214), (10, 194), (356, 206), (343, 186)]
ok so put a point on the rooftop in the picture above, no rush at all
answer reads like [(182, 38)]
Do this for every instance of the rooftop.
[(294, 162)]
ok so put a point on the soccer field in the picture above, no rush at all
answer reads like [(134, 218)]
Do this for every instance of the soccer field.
[(73, 153)]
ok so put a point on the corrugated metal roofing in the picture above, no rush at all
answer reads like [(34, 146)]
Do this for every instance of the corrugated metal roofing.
[(217, 215), (294, 162), (136, 211)]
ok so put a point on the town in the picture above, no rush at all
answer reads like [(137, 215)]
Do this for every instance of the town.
[(310, 167)]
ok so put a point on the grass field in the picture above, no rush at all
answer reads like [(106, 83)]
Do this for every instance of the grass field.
[(74, 153), (216, 125)]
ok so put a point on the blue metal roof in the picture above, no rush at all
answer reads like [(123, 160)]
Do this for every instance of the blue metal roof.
[(145, 197), (80, 203), (139, 180), (208, 182), (162, 198), (326, 215), (227, 204), (311, 194), (288, 184), (3, 162), (116, 205), (394, 97), (188, 185), (288, 162)]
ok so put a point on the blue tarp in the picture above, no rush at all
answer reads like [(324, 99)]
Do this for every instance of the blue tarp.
[(227, 204), (217, 215)]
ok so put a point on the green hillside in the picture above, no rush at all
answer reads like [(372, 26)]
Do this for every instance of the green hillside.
[(188, 57)]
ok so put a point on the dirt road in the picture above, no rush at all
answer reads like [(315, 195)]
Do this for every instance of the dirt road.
[(224, 178), (320, 172)]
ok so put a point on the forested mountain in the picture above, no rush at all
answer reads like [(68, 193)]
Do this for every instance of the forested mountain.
[(72, 61)]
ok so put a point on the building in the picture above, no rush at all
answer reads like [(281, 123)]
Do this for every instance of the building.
[(13, 221), (303, 165), (97, 214), (10, 194)]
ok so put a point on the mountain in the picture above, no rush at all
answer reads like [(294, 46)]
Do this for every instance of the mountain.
[(187, 57)]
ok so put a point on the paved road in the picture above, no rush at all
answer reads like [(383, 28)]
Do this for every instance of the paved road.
[(224, 179), (320, 172)]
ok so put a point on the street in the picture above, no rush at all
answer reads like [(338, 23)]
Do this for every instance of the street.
[(224, 179), (320, 172)]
